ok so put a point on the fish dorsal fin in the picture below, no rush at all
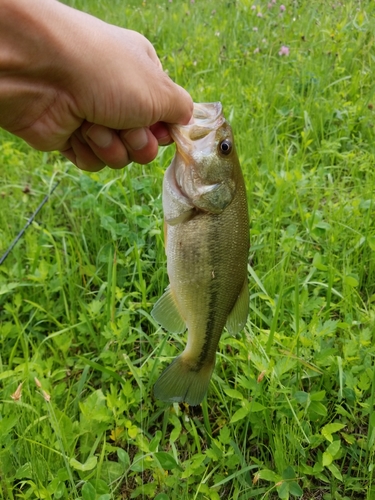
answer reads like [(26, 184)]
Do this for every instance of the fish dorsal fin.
[(238, 315), (165, 312)]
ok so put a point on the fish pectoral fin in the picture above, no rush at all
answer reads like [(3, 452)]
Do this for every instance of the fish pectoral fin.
[(180, 382), (238, 315), (181, 218), (166, 313)]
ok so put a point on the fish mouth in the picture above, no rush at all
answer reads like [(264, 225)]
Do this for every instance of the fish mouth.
[(199, 133), (207, 114)]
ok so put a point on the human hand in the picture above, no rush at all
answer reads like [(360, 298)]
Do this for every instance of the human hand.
[(93, 91)]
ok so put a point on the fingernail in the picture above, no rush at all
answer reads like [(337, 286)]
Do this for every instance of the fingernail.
[(100, 136), (165, 140), (161, 133), (136, 138)]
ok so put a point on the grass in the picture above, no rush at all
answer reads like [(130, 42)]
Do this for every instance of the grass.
[(289, 412)]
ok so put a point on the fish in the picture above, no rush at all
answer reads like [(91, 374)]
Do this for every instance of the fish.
[(206, 229)]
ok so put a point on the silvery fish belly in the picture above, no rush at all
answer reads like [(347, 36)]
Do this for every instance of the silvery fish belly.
[(207, 245)]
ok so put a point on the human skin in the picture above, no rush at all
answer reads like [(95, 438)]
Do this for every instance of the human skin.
[(93, 91)]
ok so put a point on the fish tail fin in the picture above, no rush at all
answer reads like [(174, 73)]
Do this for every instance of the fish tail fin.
[(181, 381)]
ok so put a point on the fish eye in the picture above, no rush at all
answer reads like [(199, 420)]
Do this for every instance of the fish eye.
[(225, 147)]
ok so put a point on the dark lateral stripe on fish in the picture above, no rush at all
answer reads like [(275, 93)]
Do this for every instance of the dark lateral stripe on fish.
[(210, 326), (212, 318)]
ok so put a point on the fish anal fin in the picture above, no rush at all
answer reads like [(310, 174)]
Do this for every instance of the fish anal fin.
[(166, 313), (238, 315), (180, 382)]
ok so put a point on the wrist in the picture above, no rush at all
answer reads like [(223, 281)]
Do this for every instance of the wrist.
[(33, 62)]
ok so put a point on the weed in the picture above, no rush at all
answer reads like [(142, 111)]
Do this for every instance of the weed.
[(289, 412)]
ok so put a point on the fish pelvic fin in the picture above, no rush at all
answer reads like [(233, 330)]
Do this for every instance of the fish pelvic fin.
[(166, 313), (183, 382)]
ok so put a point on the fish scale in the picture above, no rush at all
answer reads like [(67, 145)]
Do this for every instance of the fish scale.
[(207, 252)]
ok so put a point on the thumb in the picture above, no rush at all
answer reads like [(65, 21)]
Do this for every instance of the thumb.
[(175, 104)]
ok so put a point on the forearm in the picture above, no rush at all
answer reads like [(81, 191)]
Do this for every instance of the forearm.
[(21, 24)]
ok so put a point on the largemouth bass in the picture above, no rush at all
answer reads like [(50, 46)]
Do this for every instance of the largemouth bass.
[(207, 244)]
